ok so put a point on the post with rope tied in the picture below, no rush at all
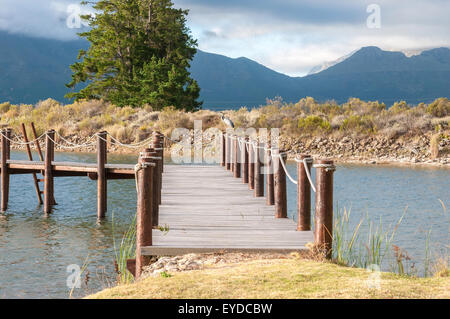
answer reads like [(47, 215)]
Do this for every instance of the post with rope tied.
[(270, 199), (49, 188), (304, 163), (245, 161), (101, 174), (324, 205), (150, 153), (6, 145), (237, 158), (280, 185), (259, 177), (144, 224)]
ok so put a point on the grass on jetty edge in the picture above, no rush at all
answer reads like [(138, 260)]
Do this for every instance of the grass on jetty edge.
[(281, 278)]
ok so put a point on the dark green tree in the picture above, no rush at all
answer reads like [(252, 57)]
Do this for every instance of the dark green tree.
[(139, 53)]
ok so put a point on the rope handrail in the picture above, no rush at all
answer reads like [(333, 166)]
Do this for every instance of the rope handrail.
[(305, 162), (21, 143), (283, 164)]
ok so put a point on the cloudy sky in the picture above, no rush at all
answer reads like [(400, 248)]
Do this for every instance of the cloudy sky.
[(290, 36)]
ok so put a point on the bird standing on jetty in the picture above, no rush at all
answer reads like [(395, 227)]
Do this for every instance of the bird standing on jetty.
[(227, 121)]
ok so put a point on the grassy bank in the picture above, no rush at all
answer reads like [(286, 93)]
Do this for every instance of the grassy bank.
[(356, 129), (281, 278)]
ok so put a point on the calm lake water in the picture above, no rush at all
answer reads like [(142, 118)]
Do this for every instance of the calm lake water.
[(35, 251)]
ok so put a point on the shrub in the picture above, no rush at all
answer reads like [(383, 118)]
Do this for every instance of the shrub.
[(313, 123), (439, 108)]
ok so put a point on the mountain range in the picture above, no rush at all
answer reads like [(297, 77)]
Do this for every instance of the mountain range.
[(33, 69)]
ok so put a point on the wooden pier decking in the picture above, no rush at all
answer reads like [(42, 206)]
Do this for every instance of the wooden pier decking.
[(207, 210)]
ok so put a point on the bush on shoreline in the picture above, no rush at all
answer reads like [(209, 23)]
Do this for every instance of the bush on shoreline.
[(304, 118)]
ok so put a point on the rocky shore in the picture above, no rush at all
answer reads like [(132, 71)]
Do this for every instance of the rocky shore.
[(371, 150)]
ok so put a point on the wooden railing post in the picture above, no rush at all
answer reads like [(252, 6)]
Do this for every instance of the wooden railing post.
[(232, 152), (259, 177), (48, 173), (303, 193), (144, 223), (159, 149), (101, 175), (280, 187), (228, 149), (269, 178), (223, 147), (153, 155), (245, 161), (251, 166), (324, 206), (237, 158), (161, 146), (6, 134)]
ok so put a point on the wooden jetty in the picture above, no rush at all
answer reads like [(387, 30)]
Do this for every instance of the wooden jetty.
[(194, 208)]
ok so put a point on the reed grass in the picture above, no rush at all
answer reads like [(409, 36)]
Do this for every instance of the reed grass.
[(123, 251), (350, 249)]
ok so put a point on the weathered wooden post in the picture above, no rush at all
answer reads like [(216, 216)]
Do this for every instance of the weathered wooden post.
[(48, 173), (6, 134), (223, 147), (232, 152), (324, 205), (270, 197), (303, 193), (245, 161), (101, 175), (280, 186), (30, 157), (157, 175), (251, 166), (161, 146), (259, 177), (144, 223), (228, 148), (153, 155), (237, 157)]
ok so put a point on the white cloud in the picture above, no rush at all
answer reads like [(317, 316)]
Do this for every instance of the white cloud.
[(290, 36)]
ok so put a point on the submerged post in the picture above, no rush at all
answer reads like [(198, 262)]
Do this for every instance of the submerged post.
[(251, 166), (48, 174), (280, 187), (245, 161), (237, 158), (303, 193), (270, 199), (144, 224), (6, 134), (101, 173), (324, 205), (259, 177)]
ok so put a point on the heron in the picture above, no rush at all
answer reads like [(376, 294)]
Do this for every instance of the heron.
[(227, 121)]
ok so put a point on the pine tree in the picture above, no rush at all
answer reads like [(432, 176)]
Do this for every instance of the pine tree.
[(139, 54)]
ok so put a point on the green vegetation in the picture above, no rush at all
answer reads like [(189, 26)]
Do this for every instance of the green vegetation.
[(282, 278), (139, 54), (125, 250), (304, 119)]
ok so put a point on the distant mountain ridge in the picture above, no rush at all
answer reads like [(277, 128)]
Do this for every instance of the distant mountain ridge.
[(34, 69)]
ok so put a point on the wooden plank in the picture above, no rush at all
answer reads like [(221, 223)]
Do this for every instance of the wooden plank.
[(207, 210), (175, 251)]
